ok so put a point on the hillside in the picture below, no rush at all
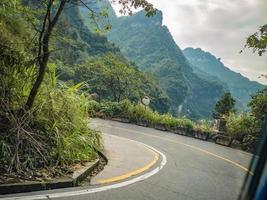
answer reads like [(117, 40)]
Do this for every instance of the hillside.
[(77, 41), (78, 44), (150, 45), (208, 66)]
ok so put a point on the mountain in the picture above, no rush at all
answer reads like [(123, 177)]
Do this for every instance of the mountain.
[(77, 43), (148, 43), (209, 67)]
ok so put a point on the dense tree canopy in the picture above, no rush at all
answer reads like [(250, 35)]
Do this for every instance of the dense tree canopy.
[(114, 78), (109, 75)]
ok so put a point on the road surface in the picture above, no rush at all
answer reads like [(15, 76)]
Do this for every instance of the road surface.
[(195, 169)]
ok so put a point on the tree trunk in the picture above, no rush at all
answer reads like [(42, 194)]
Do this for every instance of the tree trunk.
[(43, 53), (40, 77)]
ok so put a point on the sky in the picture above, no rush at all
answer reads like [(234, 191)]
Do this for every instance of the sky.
[(219, 27)]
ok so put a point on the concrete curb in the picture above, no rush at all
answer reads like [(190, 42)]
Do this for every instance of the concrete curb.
[(103, 155), (77, 177)]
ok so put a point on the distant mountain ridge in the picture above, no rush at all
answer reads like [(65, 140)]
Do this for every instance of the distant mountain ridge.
[(209, 67)]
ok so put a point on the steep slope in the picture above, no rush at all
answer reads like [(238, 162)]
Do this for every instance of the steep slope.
[(208, 66), (150, 45), (98, 6), (76, 43)]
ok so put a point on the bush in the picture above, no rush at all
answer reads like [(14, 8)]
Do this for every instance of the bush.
[(203, 126), (141, 113), (172, 122), (136, 113), (240, 125), (93, 108), (110, 109), (185, 123), (244, 128), (54, 132), (168, 120)]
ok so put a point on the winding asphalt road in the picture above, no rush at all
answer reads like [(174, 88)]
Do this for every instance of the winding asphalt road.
[(195, 169)]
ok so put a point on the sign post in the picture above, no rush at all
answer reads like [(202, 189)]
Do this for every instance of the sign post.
[(145, 101)]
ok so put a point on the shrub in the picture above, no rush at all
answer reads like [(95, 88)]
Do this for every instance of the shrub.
[(173, 122), (110, 109), (54, 132), (243, 127), (242, 124), (185, 123), (168, 120), (203, 126), (93, 108), (137, 112), (141, 113)]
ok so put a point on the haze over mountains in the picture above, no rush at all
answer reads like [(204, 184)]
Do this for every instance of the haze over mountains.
[(208, 66), (193, 84)]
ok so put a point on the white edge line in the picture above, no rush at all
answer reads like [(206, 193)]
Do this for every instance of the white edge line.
[(99, 189)]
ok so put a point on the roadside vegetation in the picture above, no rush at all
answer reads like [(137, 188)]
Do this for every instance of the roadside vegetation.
[(246, 127), (52, 133), (243, 128), (43, 120), (136, 112)]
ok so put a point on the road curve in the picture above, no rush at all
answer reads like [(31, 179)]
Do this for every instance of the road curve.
[(195, 169)]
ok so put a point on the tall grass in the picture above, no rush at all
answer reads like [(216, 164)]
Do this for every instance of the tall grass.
[(204, 125), (138, 112), (54, 133)]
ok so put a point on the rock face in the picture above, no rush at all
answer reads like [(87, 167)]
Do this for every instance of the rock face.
[(82, 42), (209, 67), (150, 45)]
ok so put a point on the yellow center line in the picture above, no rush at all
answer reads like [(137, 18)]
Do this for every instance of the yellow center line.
[(133, 173), (190, 146)]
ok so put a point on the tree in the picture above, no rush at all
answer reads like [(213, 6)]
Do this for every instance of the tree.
[(121, 80), (225, 105), (53, 10), (258, 41), (109, 76), (258, 105), (49, 21)]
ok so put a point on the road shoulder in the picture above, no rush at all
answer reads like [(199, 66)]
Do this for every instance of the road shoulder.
[(127, 158)]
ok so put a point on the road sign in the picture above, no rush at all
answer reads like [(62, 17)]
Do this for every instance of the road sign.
[(145, 100)]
